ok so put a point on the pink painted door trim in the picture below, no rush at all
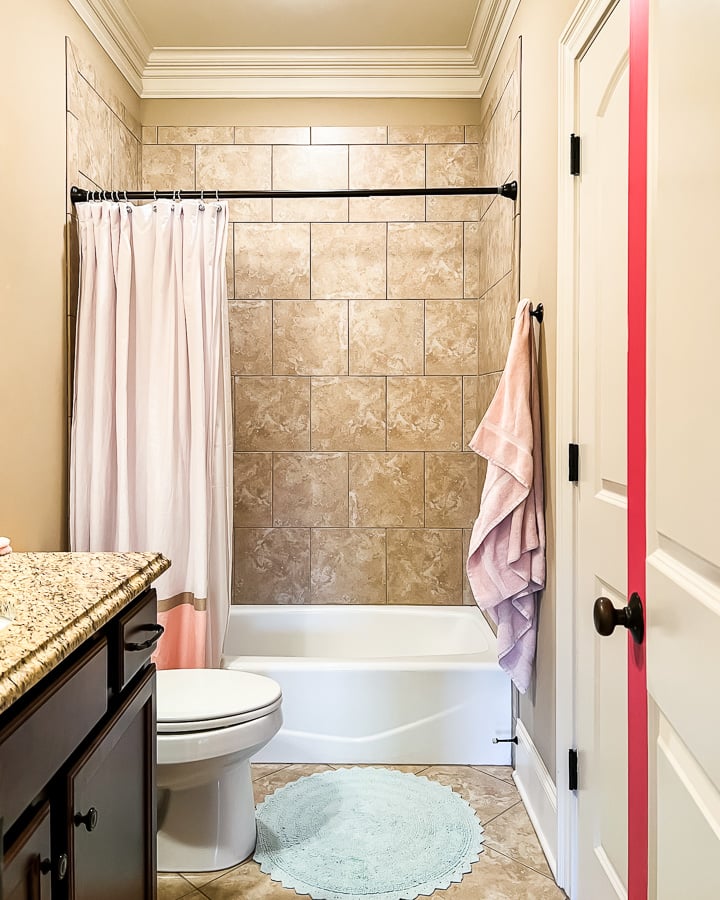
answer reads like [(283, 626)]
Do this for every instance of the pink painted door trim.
[(637, 281)]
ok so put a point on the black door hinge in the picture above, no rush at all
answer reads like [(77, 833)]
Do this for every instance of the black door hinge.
[(573, 462), (573, 770), (574, 154)]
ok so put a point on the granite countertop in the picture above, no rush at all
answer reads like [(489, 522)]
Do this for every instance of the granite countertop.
[(58, 600)]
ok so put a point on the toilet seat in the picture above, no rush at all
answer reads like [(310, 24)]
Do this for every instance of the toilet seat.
[(197, 700)]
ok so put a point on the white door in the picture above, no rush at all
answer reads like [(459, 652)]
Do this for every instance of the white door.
[(683, 439), (601, 664)]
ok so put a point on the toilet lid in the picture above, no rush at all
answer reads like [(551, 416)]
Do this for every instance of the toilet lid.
[(203, 699)]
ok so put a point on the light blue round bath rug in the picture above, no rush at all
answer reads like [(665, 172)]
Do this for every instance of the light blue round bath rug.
[(356, 833)]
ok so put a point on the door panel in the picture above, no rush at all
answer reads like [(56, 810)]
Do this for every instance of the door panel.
[(112, 801), (601, 663), (26, 865), (683, 491)]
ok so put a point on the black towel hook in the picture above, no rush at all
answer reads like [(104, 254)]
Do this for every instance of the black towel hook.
[(538, 312)]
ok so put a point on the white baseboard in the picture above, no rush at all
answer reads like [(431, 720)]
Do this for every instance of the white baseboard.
[(538, 793)]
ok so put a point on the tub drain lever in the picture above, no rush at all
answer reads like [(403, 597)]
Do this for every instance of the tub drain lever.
[(512, 740)]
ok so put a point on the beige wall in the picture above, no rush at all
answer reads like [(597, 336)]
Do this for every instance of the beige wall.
[(316, 111), (354, 332), (540, 24), (33, 410)]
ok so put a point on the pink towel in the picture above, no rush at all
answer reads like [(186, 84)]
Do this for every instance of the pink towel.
[(506, 559)]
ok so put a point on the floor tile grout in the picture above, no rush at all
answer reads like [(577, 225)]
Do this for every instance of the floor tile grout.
[(497, 815), (519, 862)]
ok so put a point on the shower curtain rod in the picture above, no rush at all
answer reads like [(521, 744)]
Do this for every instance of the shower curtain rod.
[(79, 195)]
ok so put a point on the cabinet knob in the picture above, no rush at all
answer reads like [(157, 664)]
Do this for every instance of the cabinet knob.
[(89, 820), (61, 866)]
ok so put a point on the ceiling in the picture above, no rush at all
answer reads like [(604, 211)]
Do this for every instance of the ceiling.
[(308, 48)]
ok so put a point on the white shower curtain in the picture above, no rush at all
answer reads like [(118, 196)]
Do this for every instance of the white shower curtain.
[(151, 452)]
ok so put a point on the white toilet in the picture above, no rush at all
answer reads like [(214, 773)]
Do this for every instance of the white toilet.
[(210, 722)]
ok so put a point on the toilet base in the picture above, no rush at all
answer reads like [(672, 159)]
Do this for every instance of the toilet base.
[(209, 827)]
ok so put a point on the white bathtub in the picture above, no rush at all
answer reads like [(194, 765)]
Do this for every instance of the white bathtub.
[(374, 684)]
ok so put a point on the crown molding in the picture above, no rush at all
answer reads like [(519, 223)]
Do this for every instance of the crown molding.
[(276, 72), (119, 34)]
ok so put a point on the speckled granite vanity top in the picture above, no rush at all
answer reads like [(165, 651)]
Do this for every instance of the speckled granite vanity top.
[(58, 600)]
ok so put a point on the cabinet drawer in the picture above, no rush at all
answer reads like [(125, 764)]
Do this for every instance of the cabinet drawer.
[(137, 635), (35, 742)]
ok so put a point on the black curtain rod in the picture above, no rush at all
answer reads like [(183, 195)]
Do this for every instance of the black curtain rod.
[(78, 195)]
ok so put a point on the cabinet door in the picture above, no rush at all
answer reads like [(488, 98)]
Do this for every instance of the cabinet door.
[(111, 805), (26, 865)]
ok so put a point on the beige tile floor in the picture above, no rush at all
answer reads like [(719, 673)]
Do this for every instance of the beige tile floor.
[(512, 866)]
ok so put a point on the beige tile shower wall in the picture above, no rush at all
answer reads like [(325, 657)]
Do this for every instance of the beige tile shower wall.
[(104, 143), (355, 348)]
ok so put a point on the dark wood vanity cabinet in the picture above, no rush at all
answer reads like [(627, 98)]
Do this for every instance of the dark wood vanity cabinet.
[(77, 771)]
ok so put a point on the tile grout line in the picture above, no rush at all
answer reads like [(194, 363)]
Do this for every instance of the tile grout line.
[(550, 877)]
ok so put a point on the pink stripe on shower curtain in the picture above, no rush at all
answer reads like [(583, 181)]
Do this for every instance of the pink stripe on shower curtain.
[(151, 451)]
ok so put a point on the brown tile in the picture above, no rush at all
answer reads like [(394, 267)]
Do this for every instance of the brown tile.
[(451, 490), (495, 324), (230, 265), (348, 261), (272, 261), (271, 134), (472, 252), (387, 167), (271, 565), (149, 134), (125, 158), (426, 134), (425, 259), (309, 168), (471, 420), (487, 385), (262, 770), (272, 413), (424, 413), (310, 337), (227, 168), (313, 209), (473, 134), (199, 879), (424, 566), (453, 209), (504, 773), (173, 887), (263, 787), (257, 209), (467, 595), (386, 337), (387, 209), (488, 796), (247, 882), (252, 488), (496, 237), (497, 877), (250, 337), (503, 139), (168, 167), (347, 413), (347, 565), (203, 134), (386, 490), (72, 140), (95, 135), (356, 134), (451, 337), (512, 834), (452, 165), (310, 489)]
